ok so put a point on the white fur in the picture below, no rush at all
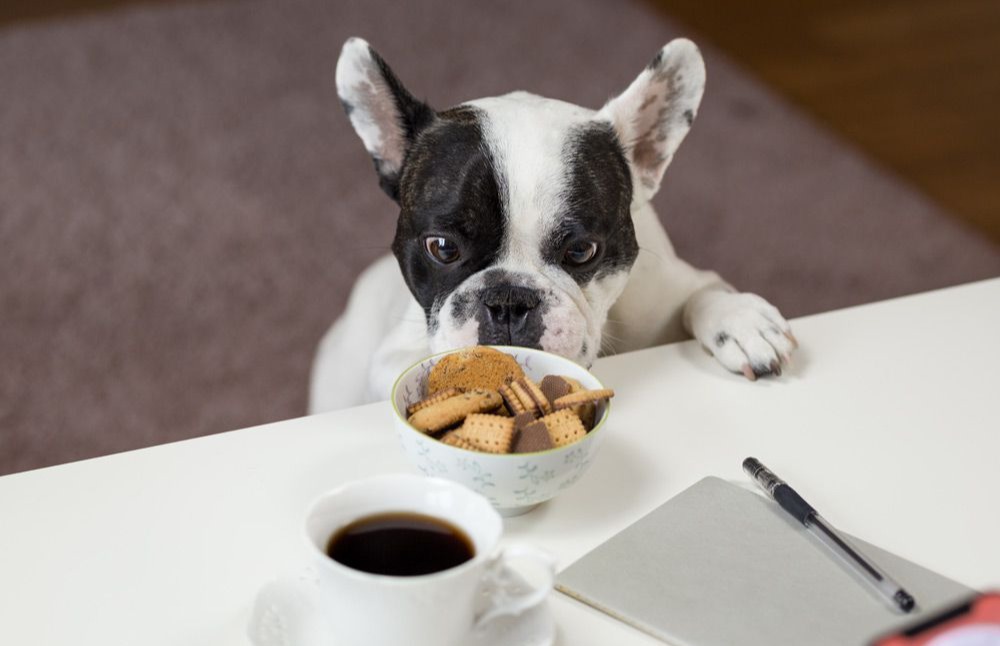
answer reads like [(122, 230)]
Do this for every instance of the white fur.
[(360, 85), (654, 114), (382, 328), (526, 134), (662, 299)]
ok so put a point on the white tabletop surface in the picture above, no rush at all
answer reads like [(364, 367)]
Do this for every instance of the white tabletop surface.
[(889, 424)]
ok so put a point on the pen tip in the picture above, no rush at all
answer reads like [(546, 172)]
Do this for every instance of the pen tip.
[(904, 600)]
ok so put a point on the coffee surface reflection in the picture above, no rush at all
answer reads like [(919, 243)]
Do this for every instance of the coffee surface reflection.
[(400, 544)]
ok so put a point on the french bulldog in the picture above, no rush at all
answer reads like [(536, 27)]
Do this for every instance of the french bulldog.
[(527, 221)]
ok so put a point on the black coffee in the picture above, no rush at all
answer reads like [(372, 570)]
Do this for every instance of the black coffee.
[(400, 544)]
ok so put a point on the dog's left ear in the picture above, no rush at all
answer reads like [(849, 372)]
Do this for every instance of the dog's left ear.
[(654, 114), (384, 114)]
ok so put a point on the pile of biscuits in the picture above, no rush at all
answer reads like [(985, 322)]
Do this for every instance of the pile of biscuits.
[(480, 399)]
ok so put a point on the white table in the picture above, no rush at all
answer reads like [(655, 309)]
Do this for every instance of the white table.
[(889, 423)]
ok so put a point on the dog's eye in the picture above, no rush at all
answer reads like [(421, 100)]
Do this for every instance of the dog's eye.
[(442, 250), (580, 253)]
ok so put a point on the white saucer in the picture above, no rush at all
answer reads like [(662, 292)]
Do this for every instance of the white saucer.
[(287, 613)]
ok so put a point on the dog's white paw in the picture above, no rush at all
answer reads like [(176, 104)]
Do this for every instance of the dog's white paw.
[(744, 332)]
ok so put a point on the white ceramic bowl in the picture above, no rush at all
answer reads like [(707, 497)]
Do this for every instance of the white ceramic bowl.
[(514, 483)]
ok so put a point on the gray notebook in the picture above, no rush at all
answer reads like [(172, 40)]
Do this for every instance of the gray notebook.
[(721, 566)]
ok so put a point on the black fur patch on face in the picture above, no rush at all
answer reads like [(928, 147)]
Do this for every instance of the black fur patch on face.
[(448, 188), (598, 199)]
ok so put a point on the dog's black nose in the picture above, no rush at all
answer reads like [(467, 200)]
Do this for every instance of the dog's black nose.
[(509, 305), (510, 316)]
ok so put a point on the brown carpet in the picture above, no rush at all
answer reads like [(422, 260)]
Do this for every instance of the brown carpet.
[(183, 206)]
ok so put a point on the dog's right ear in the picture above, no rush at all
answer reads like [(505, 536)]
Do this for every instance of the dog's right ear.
[(384, 114)]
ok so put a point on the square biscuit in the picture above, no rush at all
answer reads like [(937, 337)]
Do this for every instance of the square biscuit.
[(564, 427), (488, 433)]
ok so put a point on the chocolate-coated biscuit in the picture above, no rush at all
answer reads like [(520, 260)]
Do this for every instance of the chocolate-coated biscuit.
[(520, 390), (533, 438), (523, 419), (554, 387), (511, 400), (536, 395), (587, 414)]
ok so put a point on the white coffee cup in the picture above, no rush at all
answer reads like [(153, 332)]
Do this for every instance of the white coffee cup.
[(439, 609)]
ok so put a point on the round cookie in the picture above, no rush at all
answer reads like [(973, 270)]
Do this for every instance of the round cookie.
[(477, 367)]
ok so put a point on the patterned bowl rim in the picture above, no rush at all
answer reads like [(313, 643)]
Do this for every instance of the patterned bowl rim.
[(507, 349)]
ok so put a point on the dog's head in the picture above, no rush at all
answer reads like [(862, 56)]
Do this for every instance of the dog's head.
[(515, 222)]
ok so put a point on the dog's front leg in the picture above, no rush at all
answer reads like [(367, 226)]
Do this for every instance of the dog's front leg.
[(743, 331), (667, 299)]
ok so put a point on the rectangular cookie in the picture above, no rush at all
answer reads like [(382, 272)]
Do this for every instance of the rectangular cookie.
[(488, 433), (442, 414)]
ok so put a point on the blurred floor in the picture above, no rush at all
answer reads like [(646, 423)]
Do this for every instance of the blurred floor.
[(189, 207), (19, 11), (914, 83)]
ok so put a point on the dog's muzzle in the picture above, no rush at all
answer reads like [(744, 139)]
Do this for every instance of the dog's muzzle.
[(510, 315)]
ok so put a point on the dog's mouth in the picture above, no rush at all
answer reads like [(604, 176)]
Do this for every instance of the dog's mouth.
[(552, 335), (556, 327), (503, 307)]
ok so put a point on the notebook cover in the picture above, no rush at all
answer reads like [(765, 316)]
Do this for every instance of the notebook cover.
[(718, 566)]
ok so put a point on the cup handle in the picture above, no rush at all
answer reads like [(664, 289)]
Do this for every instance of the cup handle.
[(505, 589)]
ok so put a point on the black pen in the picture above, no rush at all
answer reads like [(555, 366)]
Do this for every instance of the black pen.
[(803, 512)]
